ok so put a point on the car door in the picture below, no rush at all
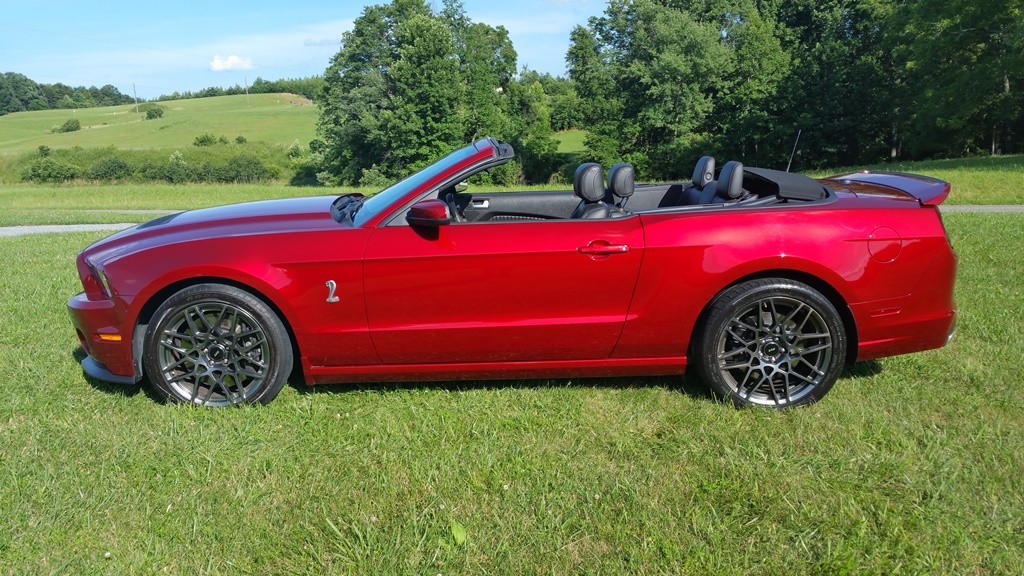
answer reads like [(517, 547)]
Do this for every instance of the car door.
[(500, 292)]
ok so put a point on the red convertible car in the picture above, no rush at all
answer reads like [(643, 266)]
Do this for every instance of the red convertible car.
[(767, 282)]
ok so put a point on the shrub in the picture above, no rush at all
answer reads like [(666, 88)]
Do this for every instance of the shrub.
[(240, 139), (295, 150), (154, 113), (242, 168), (44, 150), (223, 139), (508, 174), (72, 125), (51, 170), (206, 139), (110, 168), (373, 177)]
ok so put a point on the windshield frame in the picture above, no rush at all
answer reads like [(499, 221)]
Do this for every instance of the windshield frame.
[(376, 207)]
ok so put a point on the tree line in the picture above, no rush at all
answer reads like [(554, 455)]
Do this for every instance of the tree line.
[(661, 82), (309, 87), (654, 82), (860, 80), (18, 93)]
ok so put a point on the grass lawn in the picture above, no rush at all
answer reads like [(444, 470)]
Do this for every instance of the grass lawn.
[(571, 140), (911, 464)]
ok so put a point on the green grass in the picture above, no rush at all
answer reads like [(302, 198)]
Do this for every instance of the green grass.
[(571, 141), (911, 464), (272, 118)]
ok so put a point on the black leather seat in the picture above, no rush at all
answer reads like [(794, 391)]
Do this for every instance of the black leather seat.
[(703, 189), (730, 183), (588, 185), (621, 183), (728, 187)]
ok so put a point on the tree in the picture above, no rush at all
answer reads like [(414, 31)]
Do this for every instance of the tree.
[(650, 73), (966, 65), (408, 85), (17, 93), (426, 94)]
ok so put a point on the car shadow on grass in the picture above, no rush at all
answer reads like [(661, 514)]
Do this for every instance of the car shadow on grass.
[(690, 385), (862, 369)]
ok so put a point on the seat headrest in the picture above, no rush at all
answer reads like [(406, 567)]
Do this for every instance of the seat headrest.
[(588, 183), (704, 171), (621, 178), (730, 181)]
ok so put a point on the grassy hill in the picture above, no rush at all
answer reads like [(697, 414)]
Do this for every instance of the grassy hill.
[(271, 118)]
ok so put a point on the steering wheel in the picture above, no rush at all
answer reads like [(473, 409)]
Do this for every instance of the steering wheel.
[(453, 207)]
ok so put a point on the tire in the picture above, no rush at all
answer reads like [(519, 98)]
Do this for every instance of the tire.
[(216, 345), (772, 342)]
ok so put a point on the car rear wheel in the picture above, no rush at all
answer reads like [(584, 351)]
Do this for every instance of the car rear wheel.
[(771, 342), (216, 345)]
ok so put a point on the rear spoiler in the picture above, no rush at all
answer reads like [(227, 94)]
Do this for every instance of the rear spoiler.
[(928, 191)]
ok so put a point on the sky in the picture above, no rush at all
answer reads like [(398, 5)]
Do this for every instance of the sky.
[(187, 45)]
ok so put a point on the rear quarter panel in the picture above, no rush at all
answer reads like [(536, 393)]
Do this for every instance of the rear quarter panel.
[(692, 256)]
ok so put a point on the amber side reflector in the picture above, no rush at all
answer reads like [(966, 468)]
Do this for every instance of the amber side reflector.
[(110, 337)]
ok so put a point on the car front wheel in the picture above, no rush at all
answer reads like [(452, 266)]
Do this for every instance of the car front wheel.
[(771, 342), (216, 345)]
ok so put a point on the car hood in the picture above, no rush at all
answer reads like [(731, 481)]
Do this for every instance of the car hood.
[(251, 218)]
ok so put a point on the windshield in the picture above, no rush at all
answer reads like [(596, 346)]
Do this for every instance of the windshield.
[(380, 201)]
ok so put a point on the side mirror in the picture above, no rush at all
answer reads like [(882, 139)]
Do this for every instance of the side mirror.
[(431, 212)]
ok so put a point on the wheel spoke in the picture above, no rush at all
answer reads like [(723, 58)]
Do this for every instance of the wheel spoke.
[(739, 322), (792, 315), (804, 351), (182, 360)]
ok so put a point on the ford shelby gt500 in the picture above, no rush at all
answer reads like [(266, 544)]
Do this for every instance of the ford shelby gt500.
[(767, 283)]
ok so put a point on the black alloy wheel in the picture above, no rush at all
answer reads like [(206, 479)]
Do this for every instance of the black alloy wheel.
[(216, 345), (771, 342)]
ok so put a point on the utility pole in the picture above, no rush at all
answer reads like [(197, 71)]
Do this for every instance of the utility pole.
[(136, 94)]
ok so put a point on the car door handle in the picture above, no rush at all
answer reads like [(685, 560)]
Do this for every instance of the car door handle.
[(602, 248)]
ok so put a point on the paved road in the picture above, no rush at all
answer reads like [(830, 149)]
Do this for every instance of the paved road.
[(983, 208), (61, 228)]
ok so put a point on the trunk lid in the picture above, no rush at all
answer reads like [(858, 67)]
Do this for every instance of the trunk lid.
[(928, 191)]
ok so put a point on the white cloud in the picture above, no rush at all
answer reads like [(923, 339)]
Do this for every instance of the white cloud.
[(232, 62)]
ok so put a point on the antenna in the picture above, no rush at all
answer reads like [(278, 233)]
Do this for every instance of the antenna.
[(793, 153)]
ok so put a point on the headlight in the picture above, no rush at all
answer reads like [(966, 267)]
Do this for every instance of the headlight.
[(101, 279)]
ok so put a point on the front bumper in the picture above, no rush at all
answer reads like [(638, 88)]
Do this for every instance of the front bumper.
[(99, 326)]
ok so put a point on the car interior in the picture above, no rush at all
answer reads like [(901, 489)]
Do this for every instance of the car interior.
[(597, 195)]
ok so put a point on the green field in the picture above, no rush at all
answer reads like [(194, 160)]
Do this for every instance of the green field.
[(911, 465), (278, 120), (272, 118)]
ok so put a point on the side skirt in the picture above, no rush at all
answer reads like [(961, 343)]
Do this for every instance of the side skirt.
[(497, 370)]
